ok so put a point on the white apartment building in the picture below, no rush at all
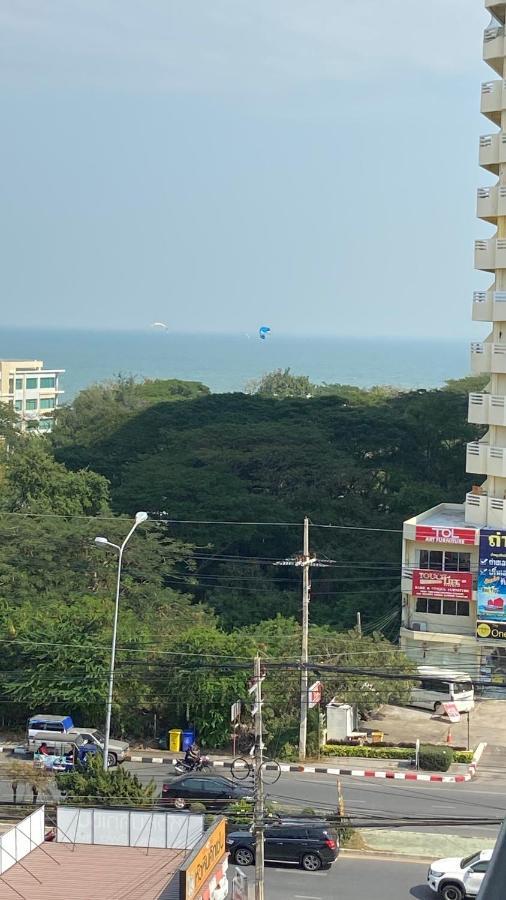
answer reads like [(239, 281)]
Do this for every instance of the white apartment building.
[(32, 391), (453, 583)]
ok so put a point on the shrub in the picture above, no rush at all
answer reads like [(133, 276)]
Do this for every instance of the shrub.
[(435, 759), (463, 756), (369, 752)]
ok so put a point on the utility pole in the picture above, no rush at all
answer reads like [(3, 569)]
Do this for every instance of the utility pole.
[(304, 656), (256, 689), (305, 561)]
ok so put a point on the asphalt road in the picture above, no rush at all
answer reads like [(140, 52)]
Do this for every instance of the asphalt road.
[(348, 879), (385, 799)]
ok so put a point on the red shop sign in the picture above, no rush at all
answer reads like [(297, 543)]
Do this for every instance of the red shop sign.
[(444, 585), (439, 534)]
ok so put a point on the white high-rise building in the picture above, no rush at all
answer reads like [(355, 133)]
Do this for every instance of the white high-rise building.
[(33, 392), (445, 619)]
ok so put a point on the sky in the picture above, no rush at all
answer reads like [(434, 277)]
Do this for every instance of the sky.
[(217, 165)]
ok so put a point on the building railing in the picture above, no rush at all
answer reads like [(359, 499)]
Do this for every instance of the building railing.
[(490, 34)]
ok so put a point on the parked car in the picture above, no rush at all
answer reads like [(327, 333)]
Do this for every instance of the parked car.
[(455, 879), (117, 749), (214, 791), (311, 845)]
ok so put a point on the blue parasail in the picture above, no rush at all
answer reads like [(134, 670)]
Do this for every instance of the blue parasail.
[(263, 331)]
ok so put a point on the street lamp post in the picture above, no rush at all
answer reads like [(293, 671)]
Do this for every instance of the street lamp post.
[(102, 541)]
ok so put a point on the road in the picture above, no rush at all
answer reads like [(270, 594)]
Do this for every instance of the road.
[(365, 797), (348, 879)]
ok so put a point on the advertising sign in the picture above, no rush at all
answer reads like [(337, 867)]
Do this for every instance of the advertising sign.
[(235, 711), (491, 594), (444, 585), (493, 631), (315, 694), (439, 534), (203, 862), (452, 712)]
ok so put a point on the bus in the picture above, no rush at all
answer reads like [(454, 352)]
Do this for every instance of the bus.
[(440, 686)]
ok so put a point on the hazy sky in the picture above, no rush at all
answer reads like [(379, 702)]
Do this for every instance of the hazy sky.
[(220, 164)]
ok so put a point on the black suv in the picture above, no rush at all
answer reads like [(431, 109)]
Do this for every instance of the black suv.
[(310, 845), (214, 791)]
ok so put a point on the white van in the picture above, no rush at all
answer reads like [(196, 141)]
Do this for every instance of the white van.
[(440, 686)]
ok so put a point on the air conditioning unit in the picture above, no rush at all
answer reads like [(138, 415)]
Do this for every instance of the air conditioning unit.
[(419, 626)]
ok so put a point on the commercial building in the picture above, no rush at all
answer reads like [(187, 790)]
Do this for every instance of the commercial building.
[(454, 556), (114, 854), (31, 390)]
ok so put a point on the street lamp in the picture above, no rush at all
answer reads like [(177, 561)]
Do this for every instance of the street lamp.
[(103, 542)]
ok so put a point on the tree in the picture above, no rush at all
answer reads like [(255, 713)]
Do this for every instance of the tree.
[(34, 482), (281, 384), (90, 785)]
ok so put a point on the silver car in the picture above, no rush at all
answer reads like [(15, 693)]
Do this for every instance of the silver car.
[(117, 749)]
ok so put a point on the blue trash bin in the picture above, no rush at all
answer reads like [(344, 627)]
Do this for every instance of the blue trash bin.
[(188, 739)]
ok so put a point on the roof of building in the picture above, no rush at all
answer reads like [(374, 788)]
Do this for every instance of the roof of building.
[(81, 871), (448, 515)]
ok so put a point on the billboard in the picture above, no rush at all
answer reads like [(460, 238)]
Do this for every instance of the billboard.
[(492, 631), (439, 534), (443, 585), (491, 593)]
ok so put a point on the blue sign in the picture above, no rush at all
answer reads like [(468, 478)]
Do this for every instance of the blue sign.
[(491, 588)]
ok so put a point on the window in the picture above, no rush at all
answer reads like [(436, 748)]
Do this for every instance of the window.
[(19, 384), (480, 867), (442, 607), (32, 383), (47, 403), (47, 382), (31, 404), (445, 561), (18, 405)]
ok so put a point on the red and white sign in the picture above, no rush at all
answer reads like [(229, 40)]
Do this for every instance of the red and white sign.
[(315, 694), (452, 712), (438, 534), (443, 585)]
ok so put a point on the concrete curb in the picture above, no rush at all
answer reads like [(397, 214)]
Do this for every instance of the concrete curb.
[(478, 753), (385, 855), (330, 770)]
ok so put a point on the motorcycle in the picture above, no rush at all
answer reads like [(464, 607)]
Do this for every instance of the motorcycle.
[(183, 768)]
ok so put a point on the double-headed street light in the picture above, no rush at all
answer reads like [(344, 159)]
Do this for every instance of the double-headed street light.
[(103, 542)]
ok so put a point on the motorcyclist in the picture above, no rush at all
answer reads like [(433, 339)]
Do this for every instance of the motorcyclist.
[(193, 756)]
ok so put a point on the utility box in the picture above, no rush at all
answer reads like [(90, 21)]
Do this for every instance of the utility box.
[(341, 721)]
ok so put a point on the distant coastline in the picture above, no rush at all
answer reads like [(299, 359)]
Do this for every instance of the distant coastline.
[(227, 362)]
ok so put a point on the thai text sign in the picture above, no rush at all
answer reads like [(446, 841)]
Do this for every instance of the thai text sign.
[(444, 585), (439, 534), (203, 862), (491, 595)]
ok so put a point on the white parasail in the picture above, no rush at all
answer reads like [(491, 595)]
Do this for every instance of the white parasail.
[(161, 325)]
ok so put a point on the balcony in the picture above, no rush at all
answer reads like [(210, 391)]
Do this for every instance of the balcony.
[(482, 459), (490, 254), (487, 409), (492, 100), (477, 458), (489, 306), (492, 151), (488, 358), (493, 48), (497, 8), (491, 203), (484, 510)]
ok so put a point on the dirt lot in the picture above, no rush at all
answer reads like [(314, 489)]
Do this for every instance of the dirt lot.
[(487, 723)]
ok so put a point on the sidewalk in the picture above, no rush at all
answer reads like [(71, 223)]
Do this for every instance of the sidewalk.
[(363, 768), (422, 844)]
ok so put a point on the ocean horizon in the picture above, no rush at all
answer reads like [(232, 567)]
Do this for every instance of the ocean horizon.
[(227, 362)]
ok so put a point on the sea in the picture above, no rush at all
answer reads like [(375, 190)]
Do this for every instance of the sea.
[(229, 362)]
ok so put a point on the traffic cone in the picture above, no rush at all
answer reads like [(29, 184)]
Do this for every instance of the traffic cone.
[(449, 736)]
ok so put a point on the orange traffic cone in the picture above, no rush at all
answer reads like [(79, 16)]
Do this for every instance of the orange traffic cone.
[(449, 736)]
